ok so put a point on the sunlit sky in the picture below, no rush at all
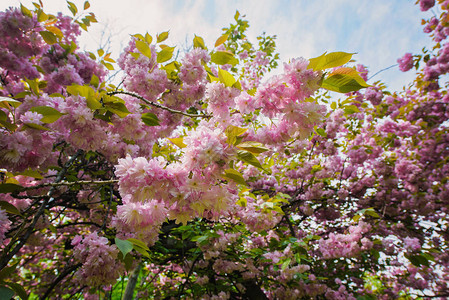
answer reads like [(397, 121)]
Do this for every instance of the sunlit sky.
[(379, 31)]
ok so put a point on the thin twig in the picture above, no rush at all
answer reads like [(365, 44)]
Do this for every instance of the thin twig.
[(6, 257), (61, 276), (158, 105), (67, 183), (380, 71), (181, 288)]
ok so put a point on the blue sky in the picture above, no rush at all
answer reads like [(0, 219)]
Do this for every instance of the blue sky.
[(379, 31)]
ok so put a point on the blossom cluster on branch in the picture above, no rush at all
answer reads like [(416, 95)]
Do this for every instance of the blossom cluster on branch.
[(199, 177)]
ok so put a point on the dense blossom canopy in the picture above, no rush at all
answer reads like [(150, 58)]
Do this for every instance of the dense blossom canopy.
[(199, 177)]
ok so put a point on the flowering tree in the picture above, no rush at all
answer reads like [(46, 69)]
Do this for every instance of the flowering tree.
[(197, 177)]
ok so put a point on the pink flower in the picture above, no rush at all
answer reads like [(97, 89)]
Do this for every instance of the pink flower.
[(406, 62), (5, 225), (426, 4)]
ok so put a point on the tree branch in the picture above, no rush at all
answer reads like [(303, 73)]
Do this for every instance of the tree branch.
[(158, 105), (6, 256)]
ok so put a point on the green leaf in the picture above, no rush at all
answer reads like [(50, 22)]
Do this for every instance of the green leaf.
[(7, 271), (37, 126), (249, 158), (10, 188), (109, 66), (221, 40), (86, 92), (223, 58), (351, 109), (235, 176), (25, 11), (162, 36), (165, 54), (49, 114), (333, 105), (49, 37), (232, 132), (140, 247), (198, 42), (242, 202), (20, 291), (30, 173), (285, 264), (418, 260), (8, 207), (331, 60), (372, 213), (41, 16), (143, 48), (142, 251), (148, 38), (343, 83), (100, 52), (253, 147), (124, 246), (95, 81), (200, 239), (117, 108), (237, 15), (150, 119), (5, 102), (138, 36), (321, 132), (72, 7), (178, 142), (138, 243), (6, 293), (226, 78)]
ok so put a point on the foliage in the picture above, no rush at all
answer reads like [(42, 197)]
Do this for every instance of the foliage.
[(200, 178)]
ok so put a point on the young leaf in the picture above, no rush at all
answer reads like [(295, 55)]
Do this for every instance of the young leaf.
[(5, 102), (226, 78), (331, 60), (72, 7), (6, 293), (162, 36), (8, 207), (343, 83), (25, 11), (221, 40), (49, 37), (138, 243), (124, 246), (150, 119), (223, 58), (321, 132), (232, 132), (49, 114), (253, 147), (234, 175), (20, 291), (165, 54), (198, 42), (37, 126), (249, 158), (143, 48), (117, 108), (56, 31), (178, 142), (148, 38), (30, 173)]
